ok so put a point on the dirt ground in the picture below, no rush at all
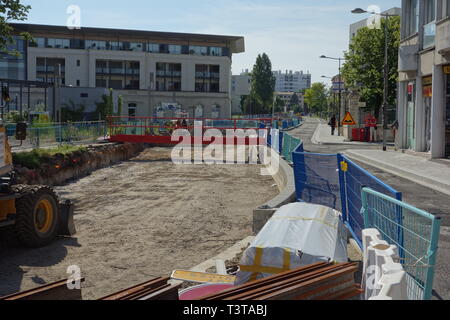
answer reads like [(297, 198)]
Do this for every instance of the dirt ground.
[(141, 219)]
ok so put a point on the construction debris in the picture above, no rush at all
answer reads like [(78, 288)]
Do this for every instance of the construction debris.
[(157, 289), (320, 281)]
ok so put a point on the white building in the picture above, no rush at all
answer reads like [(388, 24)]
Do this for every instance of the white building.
[(354, 27), (424, 77), (241, 86), (292, 81), (149, 69)]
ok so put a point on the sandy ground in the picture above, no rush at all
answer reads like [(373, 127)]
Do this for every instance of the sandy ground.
[(141, 219)]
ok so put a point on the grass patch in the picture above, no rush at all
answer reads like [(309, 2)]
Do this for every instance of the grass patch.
[(34, 159)]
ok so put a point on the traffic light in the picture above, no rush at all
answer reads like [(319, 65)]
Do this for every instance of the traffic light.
[(5, 94)]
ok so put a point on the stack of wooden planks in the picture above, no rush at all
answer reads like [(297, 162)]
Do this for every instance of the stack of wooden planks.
[(320, 281)]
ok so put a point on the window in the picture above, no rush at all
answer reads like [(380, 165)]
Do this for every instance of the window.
[(78, 83), (430, 25), (78, 63), (168, 76), (84, 95), (153, 47), (197, 50), (174, 49), (207, 78), (430, 11), (118, 74), (38, 43), (136, 46), (411, 25), (48, 69), (132, 107), (94, 44), (215, 51), (58, 43)]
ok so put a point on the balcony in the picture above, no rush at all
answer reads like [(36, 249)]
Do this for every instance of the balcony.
[(429, 35), (443, 37)]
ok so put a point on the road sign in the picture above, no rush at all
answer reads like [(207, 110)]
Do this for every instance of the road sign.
[(200, 277), (348, 120)]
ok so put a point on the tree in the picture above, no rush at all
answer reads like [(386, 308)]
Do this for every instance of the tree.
[(279, 104), (364, 67), (263, 85), (316, 98), (106, 106), (253, 104), (120, 106), (295, 102), (11, 10), (72, 112)]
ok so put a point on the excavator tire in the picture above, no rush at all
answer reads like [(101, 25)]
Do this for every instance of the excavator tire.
[(37, 215)]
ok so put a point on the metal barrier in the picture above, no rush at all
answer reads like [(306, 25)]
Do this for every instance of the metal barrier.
[(290, 144), (414, 231), (44, 135), (316, 178), (353, 179)]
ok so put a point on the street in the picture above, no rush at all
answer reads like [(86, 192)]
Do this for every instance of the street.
[(413, 193)]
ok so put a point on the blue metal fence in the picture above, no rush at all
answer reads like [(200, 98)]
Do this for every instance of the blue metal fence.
[(415, 232), (354, 179)]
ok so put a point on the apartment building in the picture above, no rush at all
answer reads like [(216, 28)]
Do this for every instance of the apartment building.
[(157, 73), (241, 86), (424, 77), (355, 27), (291, 81)]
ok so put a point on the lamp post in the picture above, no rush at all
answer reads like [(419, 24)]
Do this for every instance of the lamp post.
[(386, 69), (340, 88)]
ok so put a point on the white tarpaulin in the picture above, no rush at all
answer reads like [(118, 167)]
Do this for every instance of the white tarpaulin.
[(298, 234)]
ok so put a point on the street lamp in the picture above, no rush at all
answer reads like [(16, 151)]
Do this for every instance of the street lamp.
[(386, 68), (340, 89)]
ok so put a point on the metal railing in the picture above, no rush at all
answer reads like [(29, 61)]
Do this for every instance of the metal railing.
[(47, 135), (415, 232)]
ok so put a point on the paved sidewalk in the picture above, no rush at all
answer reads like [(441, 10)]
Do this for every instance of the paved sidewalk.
[(323, 136), (431, 174)]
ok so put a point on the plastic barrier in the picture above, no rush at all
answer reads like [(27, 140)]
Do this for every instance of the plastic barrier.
[(415, 232), (383, 278)]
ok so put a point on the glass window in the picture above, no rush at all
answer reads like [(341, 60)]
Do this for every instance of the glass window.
[(198, 50), (95, 44), (38, 43), (58, 43), (430, 10), (153, 47), (215, 51), (174, 49), (116, 45), (136, 46)]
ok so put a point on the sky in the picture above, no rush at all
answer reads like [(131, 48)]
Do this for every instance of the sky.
[(294, 33)]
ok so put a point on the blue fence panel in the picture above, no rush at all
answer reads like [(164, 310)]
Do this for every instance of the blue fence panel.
[(355, 179), (316, 178)]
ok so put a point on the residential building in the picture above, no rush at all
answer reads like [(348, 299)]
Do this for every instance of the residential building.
[(155, 72), (241, 85), (287, 98), (424, 77), (292, 81)]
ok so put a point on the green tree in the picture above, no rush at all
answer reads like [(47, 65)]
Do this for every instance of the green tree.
[(317, 98), (120, 106), (253, 104), (263, 85), (106, 106), (72, 112), (364, 67), (279, 104), (11, 10), (295, 102)]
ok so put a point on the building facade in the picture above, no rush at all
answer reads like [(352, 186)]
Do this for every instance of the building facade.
[(292, 81), (424, 77), (154, 72), (241, 86), (355, 27)]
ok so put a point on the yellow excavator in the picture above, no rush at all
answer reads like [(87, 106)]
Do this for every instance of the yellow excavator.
[(35, 213)]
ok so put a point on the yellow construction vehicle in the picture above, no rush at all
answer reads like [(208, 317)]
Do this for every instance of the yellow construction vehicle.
[(34, 212)]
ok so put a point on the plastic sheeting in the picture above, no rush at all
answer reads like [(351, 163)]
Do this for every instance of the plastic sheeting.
[(298, 234)]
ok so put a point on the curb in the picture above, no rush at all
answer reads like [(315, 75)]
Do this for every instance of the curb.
[(422, 180), (315, 141)]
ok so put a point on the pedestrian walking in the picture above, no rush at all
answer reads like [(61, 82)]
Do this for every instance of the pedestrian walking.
[(371, 127), (332, 124)]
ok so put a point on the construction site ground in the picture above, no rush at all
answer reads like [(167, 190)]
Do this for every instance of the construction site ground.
[(141, 219)]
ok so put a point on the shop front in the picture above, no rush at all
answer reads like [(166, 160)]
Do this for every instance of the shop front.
[(427, 103), (447, 111)]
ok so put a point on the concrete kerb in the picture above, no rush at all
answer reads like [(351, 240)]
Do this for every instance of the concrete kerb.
[(290, 129), (284, 179), (422, 180)]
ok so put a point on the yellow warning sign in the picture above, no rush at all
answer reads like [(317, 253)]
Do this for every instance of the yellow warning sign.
[(348, 120), (200, 277)]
